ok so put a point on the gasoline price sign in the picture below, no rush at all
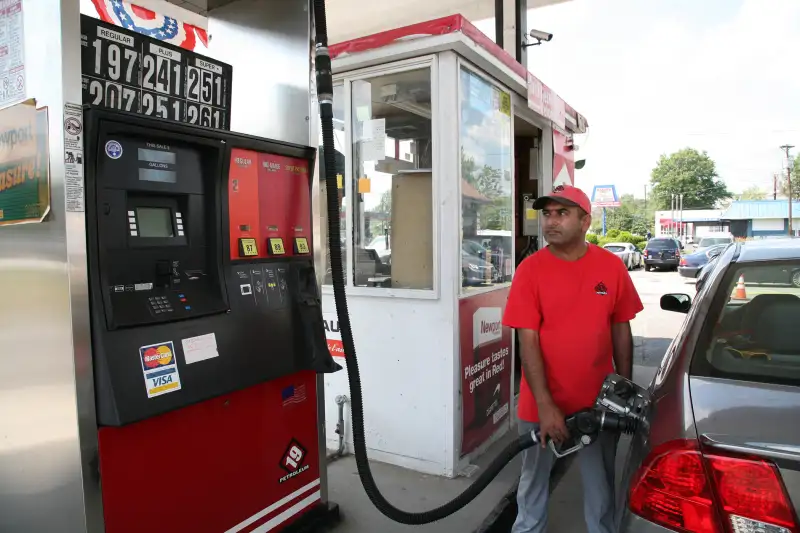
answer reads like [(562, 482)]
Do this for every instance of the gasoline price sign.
[(129, 71)]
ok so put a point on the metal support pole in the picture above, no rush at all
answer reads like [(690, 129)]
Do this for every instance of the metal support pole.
[(672, 215), (789, 165), (521, 15), (604, 222)]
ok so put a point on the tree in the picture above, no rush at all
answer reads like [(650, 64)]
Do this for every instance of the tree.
[(783, 184), (690, 173), (752, 193), (385, 205), (493, 184)]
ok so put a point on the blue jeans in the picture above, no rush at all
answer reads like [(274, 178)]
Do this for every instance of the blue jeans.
[(597, 471)]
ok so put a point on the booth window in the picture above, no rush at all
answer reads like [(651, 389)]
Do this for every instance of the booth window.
[(486, 183), (338, 142), (392, 181)]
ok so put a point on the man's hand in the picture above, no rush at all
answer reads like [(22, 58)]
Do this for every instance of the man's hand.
[(551, 423)]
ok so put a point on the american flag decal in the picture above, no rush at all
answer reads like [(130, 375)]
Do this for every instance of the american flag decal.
[(293, 394), (141, 20)]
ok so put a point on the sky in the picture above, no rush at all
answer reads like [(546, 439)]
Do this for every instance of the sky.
[(655, 76)]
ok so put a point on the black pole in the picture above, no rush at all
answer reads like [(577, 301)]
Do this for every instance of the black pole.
[(498, 22)]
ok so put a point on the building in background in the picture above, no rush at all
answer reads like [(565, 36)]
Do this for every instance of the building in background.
[(761, 218), (689, 224)]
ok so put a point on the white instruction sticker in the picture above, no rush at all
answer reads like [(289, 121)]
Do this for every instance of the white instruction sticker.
[(196, 349), (73, 156), (12, 53)]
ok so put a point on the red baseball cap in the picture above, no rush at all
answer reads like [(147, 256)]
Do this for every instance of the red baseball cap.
[(566, 195)]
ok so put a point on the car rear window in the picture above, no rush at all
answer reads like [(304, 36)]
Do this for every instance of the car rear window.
[(751, 330), (662, 244), (615, 249)]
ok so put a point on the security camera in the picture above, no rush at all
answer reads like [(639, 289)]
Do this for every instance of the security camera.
[(541, 35)]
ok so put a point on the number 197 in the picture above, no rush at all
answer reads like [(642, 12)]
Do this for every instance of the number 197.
[(118, 60)]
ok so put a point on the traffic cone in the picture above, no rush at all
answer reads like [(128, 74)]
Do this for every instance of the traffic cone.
[(740, 293)]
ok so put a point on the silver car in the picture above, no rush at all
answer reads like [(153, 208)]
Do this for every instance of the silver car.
[(628, 253), (720, 449)]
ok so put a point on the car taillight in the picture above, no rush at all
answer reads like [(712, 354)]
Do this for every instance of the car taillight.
[(751, 494), (685, 490), (683, 261), (671, 489), (644, 253)]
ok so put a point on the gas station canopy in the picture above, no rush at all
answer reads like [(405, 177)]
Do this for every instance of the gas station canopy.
[(348, 19)]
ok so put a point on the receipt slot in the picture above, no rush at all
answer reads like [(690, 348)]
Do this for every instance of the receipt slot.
[(207, 331)]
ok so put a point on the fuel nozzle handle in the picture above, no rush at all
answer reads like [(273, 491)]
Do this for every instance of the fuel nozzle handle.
[(584, 428)]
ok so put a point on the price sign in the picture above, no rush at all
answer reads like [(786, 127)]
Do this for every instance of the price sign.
[(128, 71), (248, 247), (301, 245), (276, 246)]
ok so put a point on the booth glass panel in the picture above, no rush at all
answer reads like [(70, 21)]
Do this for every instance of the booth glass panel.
[(392, 180), (486, 183), (339, 145)]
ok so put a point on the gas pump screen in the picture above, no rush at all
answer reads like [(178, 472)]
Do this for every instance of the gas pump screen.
[(155, 222), (130, 71)]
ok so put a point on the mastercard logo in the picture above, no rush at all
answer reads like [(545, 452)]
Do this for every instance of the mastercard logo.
[(157, 356)]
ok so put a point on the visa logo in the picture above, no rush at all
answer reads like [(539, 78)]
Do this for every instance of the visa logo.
[(162, 380)]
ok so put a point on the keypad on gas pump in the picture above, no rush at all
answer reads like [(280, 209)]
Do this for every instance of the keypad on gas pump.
[(160, 304)]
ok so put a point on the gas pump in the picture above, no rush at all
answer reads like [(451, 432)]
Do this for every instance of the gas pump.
[(206, 325)]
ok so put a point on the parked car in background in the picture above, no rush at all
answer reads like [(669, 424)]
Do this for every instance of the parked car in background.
[(690, 265), (717, 451), (708, 242), (662, 252), (626, 251), (475, 270)]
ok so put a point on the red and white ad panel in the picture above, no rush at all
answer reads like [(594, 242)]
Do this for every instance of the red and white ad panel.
[(563, 160), (485, 367), (263, 437)]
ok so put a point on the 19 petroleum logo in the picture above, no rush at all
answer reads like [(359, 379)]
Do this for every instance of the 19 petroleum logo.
[(293, 460)]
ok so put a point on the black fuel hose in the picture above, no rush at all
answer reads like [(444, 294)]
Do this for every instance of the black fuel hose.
[(324, 83)]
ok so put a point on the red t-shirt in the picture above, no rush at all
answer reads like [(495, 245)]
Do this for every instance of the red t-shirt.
[(572, 305)]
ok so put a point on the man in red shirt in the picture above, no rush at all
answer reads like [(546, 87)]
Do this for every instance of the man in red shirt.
[(571, 304)]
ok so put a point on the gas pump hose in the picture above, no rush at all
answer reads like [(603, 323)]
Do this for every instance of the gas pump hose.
[(324, 84)]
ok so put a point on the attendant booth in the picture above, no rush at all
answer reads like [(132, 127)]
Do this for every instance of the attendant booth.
[(443, 141)]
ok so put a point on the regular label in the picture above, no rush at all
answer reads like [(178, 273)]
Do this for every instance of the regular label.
[(160, 369)]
